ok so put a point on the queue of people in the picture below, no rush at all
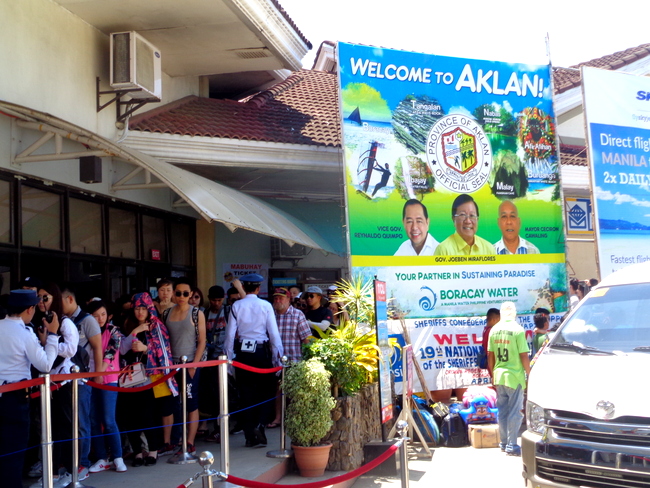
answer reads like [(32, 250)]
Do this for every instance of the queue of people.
[(124, 341)]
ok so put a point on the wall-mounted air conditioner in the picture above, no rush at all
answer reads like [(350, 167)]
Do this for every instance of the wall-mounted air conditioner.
[(135, 65), (280, 250)]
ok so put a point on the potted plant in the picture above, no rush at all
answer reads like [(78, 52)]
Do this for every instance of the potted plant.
[(308, 414)]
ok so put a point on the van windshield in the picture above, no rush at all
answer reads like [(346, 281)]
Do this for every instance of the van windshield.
[(611, 319)]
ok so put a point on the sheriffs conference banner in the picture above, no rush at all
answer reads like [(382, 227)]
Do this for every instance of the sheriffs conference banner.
[(617, 108), (452, 183)]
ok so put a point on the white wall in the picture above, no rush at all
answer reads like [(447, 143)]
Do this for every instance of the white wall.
[(50, 60)]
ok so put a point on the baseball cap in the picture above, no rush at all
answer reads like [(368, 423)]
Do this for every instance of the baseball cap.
[(282, 292), (216, 292), (31, 282), (314, 289)]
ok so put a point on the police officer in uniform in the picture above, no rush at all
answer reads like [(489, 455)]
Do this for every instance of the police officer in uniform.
[(19, 349), (252, 338)]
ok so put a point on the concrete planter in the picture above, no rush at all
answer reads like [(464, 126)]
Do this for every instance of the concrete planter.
[(356, 422)]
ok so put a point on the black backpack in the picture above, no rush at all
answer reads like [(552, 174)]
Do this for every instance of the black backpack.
[(81, 358), (454, 431)]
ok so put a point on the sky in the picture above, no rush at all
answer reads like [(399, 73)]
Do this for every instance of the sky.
[(500, 30)]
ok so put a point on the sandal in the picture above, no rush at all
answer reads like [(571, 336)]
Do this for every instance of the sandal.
[(273, 425)]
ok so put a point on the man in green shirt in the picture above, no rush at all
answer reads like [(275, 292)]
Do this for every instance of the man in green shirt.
[(508, 361), (539, 333), (464, 213)]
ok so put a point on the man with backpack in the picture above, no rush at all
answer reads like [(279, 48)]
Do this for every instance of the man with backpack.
[(508, 361), (90, 341)]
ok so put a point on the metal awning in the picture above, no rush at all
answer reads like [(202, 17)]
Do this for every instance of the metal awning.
[(213, 201)]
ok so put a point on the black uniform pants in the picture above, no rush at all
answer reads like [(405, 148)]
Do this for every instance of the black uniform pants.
[(256, 390), (14, 433)]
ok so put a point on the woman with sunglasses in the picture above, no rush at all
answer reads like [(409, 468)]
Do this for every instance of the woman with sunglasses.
[(196, 299), (52, 302), (186, 327), (147, 341)]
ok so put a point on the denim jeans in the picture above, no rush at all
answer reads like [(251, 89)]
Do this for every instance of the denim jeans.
[(509, 403), (103, 413), (85, 393)]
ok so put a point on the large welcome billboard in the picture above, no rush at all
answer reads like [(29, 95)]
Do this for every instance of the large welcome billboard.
[(617, 109), (452, 190)]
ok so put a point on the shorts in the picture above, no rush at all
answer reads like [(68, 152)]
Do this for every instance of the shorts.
[(192, 389)]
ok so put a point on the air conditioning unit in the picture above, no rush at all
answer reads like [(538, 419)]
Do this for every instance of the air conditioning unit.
[(280, 250), (135, 65)]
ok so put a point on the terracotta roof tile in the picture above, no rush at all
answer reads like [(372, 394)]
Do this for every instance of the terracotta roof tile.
[(303, 109), (566, 78), (573, 155)]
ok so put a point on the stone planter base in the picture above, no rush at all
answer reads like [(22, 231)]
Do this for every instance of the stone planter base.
[(356, 422)]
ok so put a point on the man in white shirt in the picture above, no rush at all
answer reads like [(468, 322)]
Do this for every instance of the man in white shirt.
[(258, 344), (510, 225), (415, 219), (19, 349)]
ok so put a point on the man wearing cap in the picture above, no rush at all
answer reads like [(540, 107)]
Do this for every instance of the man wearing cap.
[(19, 349), (215, 327), (508, 361), (253, 339), (294, 331), (319, 317)]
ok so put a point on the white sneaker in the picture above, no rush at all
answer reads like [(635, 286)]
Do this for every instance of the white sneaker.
[(120, 467), (99, 466), (36, 471), (83, 473), (63, 481)]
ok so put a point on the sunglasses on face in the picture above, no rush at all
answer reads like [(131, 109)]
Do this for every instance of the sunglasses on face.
[(46, 298), (311, 295), (183, 294)]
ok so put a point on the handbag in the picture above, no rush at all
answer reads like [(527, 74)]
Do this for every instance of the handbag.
[(161, 390), (133, 377)]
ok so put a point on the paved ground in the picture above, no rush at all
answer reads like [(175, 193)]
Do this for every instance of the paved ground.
[(463, 467)]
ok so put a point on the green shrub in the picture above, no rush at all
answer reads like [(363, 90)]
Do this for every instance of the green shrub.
[(308, 414)]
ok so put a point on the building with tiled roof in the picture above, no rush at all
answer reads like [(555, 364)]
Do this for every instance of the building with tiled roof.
[(301, 114), (569, 112), (303, 109)]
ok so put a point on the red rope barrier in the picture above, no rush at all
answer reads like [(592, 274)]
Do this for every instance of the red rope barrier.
[(320, 484), (76, 376), (135, 388), (53, 387), (254, 369), (21, 385)]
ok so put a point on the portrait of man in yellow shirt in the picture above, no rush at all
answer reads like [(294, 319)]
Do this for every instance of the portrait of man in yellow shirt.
[(465, 215)]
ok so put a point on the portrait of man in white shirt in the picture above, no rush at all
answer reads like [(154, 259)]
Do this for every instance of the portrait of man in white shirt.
[(415, 219)]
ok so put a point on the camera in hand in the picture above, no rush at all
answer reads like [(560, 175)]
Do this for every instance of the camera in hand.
[(49, 316)]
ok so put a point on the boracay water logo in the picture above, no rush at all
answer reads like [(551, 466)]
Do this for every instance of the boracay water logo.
[(459, 153), (428, 303)]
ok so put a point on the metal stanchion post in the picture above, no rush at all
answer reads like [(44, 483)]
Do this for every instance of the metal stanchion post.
[(402, 429), (46, 431), (283, 452), (224, 421), (75, 433), (206, 459), (183, 457)]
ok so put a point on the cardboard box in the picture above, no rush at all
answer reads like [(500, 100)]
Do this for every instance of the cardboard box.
[(483, 435)]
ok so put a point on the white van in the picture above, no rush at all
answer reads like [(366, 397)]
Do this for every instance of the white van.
[(588, 405)]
